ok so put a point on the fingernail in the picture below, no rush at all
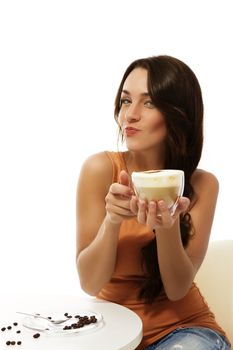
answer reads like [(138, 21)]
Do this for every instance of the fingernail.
[(152, 204), (162, 204)]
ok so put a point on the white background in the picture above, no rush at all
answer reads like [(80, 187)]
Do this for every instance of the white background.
[(60, 65)]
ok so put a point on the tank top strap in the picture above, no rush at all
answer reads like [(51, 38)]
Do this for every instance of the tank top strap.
[(118, 164)]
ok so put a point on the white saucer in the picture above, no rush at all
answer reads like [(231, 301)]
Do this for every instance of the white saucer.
[(41, 325)]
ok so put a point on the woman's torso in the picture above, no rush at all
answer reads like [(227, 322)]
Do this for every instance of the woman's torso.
[(163, 315)]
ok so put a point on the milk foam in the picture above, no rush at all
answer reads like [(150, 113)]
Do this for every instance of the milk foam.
[(157, 178)]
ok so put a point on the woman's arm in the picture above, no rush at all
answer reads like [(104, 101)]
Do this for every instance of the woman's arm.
[(101, 207), (178, 266)]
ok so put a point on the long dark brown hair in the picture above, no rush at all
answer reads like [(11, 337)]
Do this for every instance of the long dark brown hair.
[(175, 91)]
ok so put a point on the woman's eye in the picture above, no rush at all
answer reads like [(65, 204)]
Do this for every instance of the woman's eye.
[(125, 101), (149, 104)]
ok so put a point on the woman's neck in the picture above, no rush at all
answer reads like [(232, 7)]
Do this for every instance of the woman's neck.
[(142, 161)]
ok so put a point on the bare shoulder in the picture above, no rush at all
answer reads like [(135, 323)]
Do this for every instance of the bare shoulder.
[(97, 169), (98, 162), (93, 184), (203, 180)]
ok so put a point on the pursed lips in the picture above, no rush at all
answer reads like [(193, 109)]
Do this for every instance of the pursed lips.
[(130, 128), (130, 131)]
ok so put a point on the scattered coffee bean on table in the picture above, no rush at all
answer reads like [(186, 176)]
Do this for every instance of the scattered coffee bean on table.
[(13, 342), (83, 321), (36, 335)]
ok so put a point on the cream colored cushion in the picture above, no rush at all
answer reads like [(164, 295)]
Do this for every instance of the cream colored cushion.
[(215, 281)]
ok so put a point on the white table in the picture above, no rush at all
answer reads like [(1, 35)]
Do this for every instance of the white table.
[(121, 329)]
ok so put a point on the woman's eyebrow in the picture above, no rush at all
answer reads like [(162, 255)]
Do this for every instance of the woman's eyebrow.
[(125, 92), (142, 94)]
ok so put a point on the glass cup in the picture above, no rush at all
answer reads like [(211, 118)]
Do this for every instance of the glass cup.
[(155, 185)]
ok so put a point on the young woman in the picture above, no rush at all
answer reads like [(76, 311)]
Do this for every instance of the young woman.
[(128, 254)]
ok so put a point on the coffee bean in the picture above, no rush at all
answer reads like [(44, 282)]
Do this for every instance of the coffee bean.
[(83, 321), (36, 335)]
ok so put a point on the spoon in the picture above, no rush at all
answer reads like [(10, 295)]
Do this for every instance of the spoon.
[(45, 318)]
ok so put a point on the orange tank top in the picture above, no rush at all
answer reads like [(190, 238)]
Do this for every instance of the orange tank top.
[(162, 316)]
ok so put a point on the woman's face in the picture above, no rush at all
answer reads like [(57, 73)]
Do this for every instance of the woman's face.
[(142, 123)]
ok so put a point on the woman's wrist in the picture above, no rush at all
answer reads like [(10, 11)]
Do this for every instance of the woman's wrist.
[(175, 228), (111, 223)]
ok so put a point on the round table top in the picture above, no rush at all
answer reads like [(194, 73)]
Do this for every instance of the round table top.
[(118, 327)]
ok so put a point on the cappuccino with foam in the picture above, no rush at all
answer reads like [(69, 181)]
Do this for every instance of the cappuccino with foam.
[(154, 185)]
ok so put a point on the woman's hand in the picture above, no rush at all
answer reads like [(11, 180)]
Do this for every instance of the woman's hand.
[(118, 200), (156, 214)]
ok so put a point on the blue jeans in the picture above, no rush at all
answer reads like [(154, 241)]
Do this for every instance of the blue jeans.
[(193, 338)]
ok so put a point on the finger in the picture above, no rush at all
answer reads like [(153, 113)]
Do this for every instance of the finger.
[(182, 206), (165, 213), (151, 215), (124, 178), (117, 201), (134, 205), (141, 212), (118, 210), (119, 189)]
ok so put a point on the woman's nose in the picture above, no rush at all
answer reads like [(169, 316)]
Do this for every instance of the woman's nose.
[(132, 113)]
